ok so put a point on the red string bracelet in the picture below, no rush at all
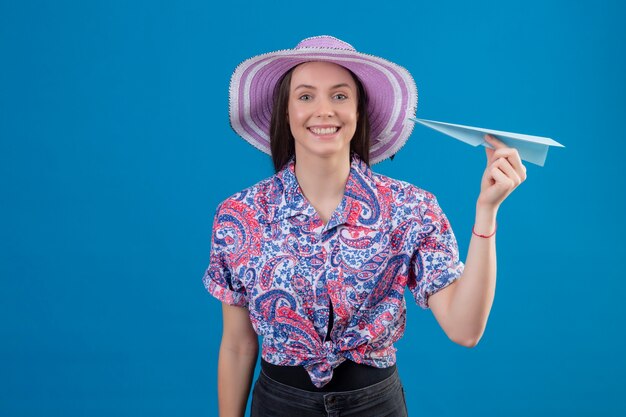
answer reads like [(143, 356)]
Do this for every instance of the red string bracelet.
[(485, 236)]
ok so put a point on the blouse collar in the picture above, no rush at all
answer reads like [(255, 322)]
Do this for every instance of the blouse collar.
[(360, 205)]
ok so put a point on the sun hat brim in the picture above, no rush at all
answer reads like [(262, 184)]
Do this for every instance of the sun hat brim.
[(391, 91)]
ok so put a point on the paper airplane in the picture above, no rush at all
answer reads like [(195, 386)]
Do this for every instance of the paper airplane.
[(530, 148)]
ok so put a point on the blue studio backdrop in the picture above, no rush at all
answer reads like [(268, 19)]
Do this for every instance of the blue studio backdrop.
[(115, 149)]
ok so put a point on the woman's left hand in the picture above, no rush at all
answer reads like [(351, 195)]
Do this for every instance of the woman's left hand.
[(503, 174)]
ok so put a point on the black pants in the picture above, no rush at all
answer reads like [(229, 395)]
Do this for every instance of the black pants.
[(382, 399)]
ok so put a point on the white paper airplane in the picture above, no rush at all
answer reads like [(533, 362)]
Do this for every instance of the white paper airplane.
[(530, 148)]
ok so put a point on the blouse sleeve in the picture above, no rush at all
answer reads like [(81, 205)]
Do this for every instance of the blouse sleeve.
[(435, 262), (219, 279)]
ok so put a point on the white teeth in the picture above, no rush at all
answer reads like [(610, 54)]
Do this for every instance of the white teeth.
[(324, 131)]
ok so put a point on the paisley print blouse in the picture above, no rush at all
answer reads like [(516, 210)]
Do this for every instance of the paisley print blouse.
[(271, 253)]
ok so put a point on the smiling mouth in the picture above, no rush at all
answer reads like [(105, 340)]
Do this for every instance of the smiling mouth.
[(322, 131)]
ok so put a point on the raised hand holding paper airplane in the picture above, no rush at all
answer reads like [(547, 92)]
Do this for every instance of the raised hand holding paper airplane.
[(533, 149)]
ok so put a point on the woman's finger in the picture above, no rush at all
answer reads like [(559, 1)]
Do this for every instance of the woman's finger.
[(506, 167), (493, 141), (501, 178), (512, 155)]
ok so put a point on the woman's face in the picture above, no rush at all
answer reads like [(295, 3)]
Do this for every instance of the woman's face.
[(322, 109)]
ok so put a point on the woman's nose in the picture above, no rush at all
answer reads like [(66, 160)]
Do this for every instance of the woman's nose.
[(325, 108)]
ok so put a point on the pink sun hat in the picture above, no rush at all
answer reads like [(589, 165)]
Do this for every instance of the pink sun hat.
[(391, 91)]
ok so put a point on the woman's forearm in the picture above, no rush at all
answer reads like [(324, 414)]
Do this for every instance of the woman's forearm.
[(234, 377), (475, 290), (462, 309)]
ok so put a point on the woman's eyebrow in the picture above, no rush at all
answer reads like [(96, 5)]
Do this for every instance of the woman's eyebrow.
[(310, 87)]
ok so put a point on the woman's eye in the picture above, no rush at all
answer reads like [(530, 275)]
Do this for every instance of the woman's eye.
[(341, 96), (305, 97)]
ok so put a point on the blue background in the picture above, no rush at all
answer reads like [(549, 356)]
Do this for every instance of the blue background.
[(116, 149)]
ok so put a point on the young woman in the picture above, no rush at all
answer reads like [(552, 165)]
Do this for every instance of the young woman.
[(315, 258)]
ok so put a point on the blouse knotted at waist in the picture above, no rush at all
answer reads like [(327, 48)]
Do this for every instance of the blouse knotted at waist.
[(347, 376)]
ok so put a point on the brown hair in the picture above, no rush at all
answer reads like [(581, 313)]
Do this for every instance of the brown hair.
[(282, 143)]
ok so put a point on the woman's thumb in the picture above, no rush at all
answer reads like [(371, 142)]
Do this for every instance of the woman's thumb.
[(489, 152)]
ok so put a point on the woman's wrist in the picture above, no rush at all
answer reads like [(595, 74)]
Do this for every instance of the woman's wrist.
[(485, 221)]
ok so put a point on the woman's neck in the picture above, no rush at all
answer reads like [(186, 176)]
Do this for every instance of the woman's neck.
[(323, 180)]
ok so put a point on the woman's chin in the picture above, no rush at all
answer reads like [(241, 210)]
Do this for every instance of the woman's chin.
[(324, 150)]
